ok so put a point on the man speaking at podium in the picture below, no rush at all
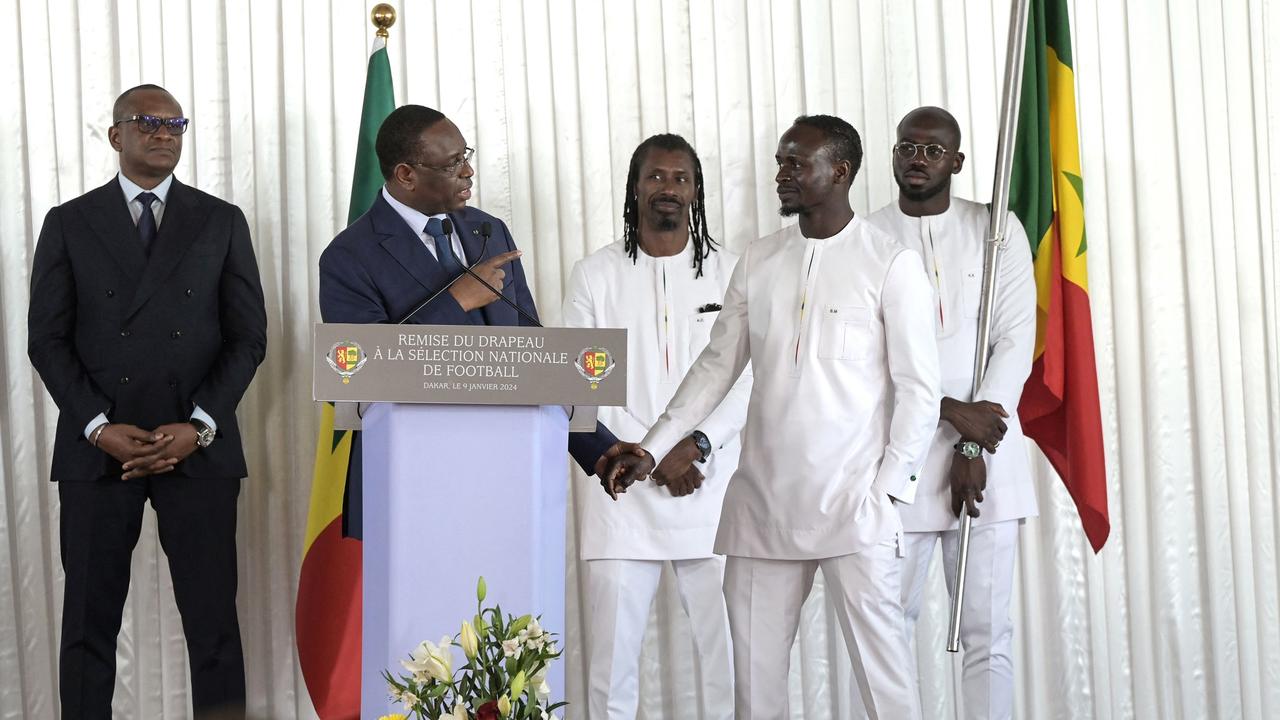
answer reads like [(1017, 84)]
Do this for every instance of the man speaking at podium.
[(405, 259)]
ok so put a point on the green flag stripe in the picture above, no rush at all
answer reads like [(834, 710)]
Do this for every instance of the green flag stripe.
[(1059, 29), (379, 101), (1031, 184)]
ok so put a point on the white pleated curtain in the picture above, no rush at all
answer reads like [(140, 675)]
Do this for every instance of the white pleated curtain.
[(1179, 112)]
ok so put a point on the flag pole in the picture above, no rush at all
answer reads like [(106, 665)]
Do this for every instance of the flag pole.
[(991, 265)]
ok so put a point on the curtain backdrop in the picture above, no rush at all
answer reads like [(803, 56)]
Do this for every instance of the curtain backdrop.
[(1179, 106)]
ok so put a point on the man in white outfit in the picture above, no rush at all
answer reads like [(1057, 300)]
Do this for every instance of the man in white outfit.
[(664, 282), (963, 469), (835, 318)]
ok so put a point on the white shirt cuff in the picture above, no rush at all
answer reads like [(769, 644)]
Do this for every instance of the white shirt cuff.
[(94, 423), (204, 417)]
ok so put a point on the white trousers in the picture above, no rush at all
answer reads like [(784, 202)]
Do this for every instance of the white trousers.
[(986, 630), (764, 599), (619, 593)]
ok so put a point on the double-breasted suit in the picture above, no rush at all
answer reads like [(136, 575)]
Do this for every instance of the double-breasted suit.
[(145, 335)]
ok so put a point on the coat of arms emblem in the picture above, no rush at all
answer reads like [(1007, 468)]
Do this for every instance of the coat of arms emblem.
[(594, 364), (346, 358)]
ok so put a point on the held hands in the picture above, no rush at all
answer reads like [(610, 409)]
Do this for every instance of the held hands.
[(981, 421), (622, 465), (677, 470), (470, 294), (968, 480), (143, 452)]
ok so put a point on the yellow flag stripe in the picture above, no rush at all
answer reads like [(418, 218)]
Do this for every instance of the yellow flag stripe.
[(329, 479)]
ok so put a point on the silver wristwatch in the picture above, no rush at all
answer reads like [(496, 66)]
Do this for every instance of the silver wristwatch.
[(204, 433), (969, 449)]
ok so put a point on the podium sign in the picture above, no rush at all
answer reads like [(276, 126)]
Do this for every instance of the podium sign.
[(469, 364)]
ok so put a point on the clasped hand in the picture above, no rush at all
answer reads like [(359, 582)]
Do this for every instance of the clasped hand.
[(147, 452)]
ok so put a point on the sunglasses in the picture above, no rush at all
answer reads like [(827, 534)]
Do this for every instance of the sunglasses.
[(149, 124)]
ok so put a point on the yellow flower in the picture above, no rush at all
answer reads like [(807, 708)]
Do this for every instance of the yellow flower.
[(394, 716), (504, 706)]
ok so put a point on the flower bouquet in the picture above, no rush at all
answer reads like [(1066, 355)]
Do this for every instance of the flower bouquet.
[(504, 675)]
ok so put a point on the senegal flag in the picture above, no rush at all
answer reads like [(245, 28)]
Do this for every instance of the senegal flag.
[(1059, 407), (328, 613)]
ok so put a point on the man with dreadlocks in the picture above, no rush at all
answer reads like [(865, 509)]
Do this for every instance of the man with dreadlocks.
[(664, 282), (835, 316)]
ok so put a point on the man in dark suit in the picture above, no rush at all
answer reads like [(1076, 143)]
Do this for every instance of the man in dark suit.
[(147, 324), (400, 253)]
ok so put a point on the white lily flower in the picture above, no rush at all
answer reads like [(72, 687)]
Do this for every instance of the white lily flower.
[(435, 661), (459, 713), (511, 648)]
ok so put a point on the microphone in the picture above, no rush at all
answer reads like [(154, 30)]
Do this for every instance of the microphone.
[(448, 230), (486, 230)]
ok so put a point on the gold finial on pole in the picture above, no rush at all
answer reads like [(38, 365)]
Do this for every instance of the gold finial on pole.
[(383, 17)]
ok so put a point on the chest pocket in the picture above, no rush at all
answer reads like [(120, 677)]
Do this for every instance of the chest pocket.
[(971, 287), (699, 325), (845, 333)]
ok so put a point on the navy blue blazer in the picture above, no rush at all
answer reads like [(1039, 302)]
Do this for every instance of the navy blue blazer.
[(378, 270)]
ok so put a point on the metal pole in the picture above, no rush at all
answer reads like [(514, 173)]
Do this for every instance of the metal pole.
[(991, 266)]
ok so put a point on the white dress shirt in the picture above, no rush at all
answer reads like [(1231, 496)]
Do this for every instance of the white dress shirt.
[(951, 245), (664, 309), (161, 191), (845, 393), (418, 222)]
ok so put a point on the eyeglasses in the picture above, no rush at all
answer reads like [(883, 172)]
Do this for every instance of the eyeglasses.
[(149, 124), (453, 167), (908, 150)]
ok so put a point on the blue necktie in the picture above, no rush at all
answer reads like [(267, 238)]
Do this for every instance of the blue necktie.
[(444, 249), (146, 221)]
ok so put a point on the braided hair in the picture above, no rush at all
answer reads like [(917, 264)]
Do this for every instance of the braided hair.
[(703, 243)]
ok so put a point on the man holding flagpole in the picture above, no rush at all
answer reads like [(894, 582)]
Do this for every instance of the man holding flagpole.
[(963, 470)]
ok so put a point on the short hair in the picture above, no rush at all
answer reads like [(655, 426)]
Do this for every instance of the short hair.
[(842, 138), (703, 243), (398, 137), (938, 113), (121, 105)]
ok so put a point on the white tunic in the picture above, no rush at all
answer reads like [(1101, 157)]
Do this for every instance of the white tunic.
[(845, 398), (658, 301), (951, 246)]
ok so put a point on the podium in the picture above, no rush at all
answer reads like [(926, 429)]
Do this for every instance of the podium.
[(462, 477), (451, 493)]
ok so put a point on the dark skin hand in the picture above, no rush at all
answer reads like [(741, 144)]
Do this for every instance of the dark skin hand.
[(982, 421), (470, 294), (621, 466), (968, 480), (683, 485), (147, 453), (677, 470)]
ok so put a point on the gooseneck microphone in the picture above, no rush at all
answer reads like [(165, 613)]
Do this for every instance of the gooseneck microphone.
[(486, 229)]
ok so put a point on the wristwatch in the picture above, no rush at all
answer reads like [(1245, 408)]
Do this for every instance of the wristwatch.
[(969, 449), (702, 443), (204, 433)]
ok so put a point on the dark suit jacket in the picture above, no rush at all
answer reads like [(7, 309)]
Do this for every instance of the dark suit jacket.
[(143, 338), (377, 271)]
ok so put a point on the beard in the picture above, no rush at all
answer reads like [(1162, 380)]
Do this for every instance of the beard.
[(921, 194), (667, 223), (791, 210)]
